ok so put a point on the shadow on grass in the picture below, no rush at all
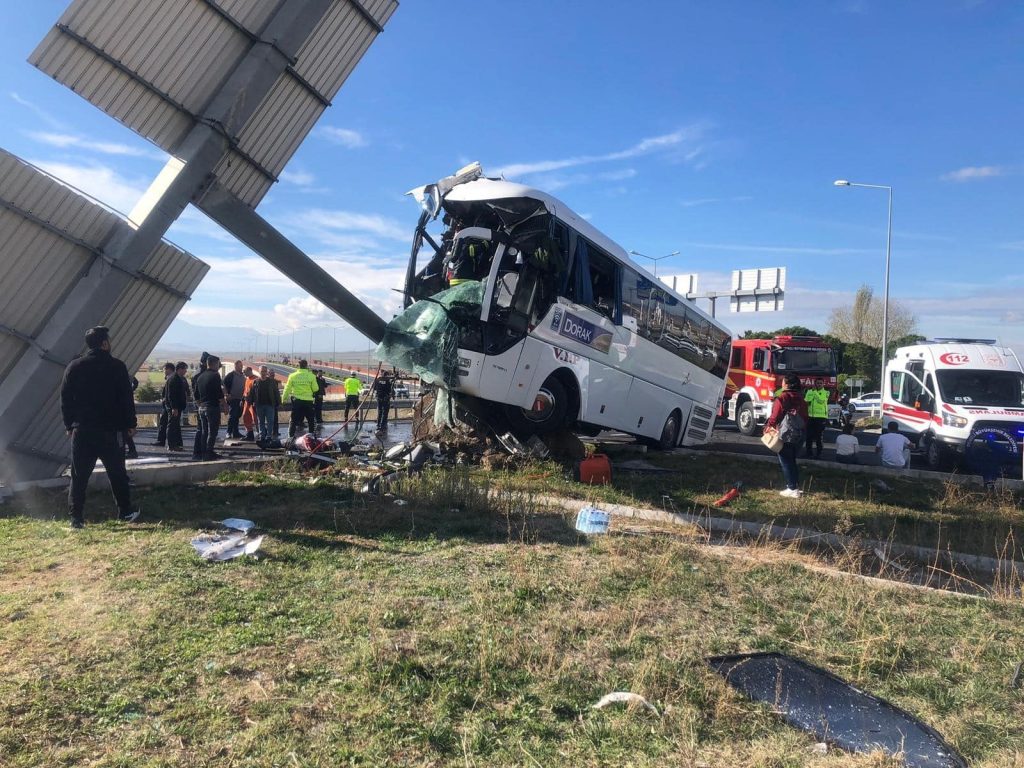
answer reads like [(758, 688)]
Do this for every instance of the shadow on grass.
[(325, 515)]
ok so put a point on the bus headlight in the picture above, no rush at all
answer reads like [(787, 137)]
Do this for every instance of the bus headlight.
[(952, 420)]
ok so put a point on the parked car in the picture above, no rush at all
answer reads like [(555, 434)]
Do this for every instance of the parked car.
[(401, 391), (867, 404)]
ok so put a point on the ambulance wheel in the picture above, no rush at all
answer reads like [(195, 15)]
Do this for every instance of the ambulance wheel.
[(746, 422), (548, 414), (935, 454)]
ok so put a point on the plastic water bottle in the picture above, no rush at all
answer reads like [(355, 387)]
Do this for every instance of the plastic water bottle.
[(592, 520)]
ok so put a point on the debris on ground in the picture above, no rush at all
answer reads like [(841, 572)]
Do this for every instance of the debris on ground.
[(880, 485), (595, 470), (731, 494), (237, 524), (628, 698), (641, 465), (886, 560), (816, 701), (592, 520), (215, 547)]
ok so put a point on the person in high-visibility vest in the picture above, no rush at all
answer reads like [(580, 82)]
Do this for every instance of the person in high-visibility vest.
[(353, 386), (463, 267), (817, 417), (300, 389)]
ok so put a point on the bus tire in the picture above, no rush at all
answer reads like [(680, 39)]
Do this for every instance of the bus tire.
[(746, 422), (669, 433), (551, 419)]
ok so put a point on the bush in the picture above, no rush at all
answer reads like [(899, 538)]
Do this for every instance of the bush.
[(147, 393)]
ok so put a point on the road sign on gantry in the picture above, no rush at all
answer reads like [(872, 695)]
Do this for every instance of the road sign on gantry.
[(156, 65), (51, 238), (758, 290)]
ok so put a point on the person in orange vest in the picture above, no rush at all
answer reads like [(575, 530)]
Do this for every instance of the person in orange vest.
[(248, 409)]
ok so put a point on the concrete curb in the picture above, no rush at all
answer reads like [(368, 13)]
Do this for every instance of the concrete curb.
[(723, 525)]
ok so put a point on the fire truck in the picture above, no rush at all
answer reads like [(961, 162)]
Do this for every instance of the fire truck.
[(757, 368)]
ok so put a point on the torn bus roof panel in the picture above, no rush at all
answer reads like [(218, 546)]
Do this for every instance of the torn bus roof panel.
[(817, 701)]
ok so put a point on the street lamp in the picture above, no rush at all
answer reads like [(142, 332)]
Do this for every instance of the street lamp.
[(655, 259), (888, 253)]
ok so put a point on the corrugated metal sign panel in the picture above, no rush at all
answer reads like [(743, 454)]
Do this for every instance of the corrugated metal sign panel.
[(155, 66), (50, 236)]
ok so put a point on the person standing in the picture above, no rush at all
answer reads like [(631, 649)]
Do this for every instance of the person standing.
[(318, 399), (353, 387), (266, 399), (98, 409), (208, 390), (176, 401), (161, 426), (817, 417), (300, 389), (789, 404), (383, 389), (248, 411), (234, 388), (130, 451)]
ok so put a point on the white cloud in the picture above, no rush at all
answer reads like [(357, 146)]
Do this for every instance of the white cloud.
[(67, 140), (693, 203), (98, 181), (298, 178), (41, 113), (972, 173), (684, 139), (325, 222), (346, 137)]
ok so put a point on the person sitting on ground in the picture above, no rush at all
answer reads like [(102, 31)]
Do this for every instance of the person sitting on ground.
[(847, 446), (894, 447)]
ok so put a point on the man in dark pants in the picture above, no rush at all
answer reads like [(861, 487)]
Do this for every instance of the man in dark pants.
[(383, 388), (161, 426), (208, 390), (98, 409), (234, 388), (176, 400)]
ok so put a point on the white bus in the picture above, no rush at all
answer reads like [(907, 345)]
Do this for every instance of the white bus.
[(556, 327)]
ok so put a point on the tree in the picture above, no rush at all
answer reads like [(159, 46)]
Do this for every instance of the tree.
[(789, 330), (862, 321)]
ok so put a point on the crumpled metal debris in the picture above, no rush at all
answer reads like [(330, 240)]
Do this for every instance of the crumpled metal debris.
[(238, 524)]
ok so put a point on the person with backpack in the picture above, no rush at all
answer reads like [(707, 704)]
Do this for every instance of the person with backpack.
[(789, 417)]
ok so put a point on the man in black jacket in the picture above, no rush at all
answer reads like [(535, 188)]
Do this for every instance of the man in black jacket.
[(175, 404), (98, 409), (208, 390), (165, 414)]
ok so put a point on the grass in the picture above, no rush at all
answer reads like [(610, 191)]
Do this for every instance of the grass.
[(937, 516), (453, 629)]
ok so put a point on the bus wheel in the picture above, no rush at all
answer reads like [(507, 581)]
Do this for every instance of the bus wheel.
[(548, 413), (669, 434), (745, 419)]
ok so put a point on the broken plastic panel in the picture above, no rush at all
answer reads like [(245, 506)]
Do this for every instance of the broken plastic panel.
[(817, 701)]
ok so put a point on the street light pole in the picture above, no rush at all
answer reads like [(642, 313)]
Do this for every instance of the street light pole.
[(888, 255), (655, 259)]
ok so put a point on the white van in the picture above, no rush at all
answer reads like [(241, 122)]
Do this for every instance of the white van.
[(947, 392)]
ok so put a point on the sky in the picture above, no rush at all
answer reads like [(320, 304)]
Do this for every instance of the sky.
[(715, 129)]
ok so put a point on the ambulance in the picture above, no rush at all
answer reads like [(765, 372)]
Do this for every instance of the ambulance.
[(947, 393)]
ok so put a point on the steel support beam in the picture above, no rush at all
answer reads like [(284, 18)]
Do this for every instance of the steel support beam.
[(253, 230), (32, 381)]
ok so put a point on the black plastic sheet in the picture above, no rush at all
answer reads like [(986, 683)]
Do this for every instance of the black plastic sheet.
[(817, 701)]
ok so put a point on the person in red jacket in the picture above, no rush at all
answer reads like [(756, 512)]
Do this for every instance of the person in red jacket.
[(791, 401)]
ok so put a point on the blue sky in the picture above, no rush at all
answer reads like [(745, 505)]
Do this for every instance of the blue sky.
[(711, 128)]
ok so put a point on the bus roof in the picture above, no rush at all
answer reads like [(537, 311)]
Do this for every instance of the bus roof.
[(484, 189)]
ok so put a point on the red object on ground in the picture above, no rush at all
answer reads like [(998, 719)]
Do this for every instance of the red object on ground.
[(596, 470), (732, 494)]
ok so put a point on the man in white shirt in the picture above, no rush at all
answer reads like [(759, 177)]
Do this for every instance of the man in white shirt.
[(894, 447), (847, 446)]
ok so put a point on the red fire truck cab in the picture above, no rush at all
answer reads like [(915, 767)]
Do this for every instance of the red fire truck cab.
[(757, 368)]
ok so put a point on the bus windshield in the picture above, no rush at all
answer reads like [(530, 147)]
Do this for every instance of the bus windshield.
[(1004, 389), (804, 360)]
